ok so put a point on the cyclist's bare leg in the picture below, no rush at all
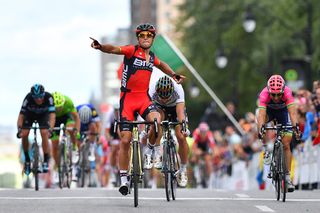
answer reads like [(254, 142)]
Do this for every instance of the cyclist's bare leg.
[(152, 139), (195, 156), (92, 130), (55, 151), (183, 146), (207, 159), (45, 141), (25, 141), (124, 149), (286, 140), (73, 136), (114, 154)]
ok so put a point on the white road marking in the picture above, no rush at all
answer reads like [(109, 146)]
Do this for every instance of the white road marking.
[(157, 198), (242, 195), (265, 208)]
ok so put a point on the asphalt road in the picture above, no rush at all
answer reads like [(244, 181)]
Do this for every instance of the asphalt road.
[(188, 200)]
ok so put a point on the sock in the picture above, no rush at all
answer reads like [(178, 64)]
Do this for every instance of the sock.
[(183, 167), (123, 176), (46, 157), (288, 177), (150, 146), (26, 154), (196, 173), (114, 169), (74, 147)]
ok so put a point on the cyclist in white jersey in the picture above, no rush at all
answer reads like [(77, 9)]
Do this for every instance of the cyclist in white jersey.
[(168, 96)]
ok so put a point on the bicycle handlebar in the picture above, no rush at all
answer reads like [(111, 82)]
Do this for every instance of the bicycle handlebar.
[(136, 123), (63, 128), (30, 127), (175, 123), (277, 127)]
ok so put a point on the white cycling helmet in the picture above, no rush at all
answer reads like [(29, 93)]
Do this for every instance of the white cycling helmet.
[(85, 114)]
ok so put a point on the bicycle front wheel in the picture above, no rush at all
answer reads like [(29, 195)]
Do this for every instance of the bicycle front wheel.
[(166, 170), (277, 186), (84, 152), (136, 171), (274, 169), (61, 166), (282, 175), (68, 158), (174, 168), (35, 165)]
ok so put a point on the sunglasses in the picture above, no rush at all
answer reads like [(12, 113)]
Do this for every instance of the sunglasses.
[(37, 96), (145, 35), (276, 95)]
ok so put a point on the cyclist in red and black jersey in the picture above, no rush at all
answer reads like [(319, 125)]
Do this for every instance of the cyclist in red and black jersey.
[(203, 147), (137, 68)]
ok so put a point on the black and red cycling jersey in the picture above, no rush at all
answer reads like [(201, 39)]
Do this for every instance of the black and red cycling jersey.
[(206, 141), (135, 81), (136, 71)]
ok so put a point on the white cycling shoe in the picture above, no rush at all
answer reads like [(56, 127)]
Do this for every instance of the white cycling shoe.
[(124, 188), (157, 161), (182, 179), (290, 186)]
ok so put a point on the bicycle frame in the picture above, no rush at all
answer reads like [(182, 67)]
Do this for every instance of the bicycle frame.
[(135, 170), (65, 156), (36, 153), (135, 142), (278, 168), (171, 164), (84, 162), (36, 156)]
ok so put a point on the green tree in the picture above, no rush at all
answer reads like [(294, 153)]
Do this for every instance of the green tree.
[(208, 26)]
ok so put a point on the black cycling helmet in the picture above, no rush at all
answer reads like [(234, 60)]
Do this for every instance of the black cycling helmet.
[(37, 91), (146, 27), (164, 87)]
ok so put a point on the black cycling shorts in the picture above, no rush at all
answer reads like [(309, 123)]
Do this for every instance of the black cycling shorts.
[(42, 119)]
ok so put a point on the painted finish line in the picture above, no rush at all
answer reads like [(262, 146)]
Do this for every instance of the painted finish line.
[(156, 198)]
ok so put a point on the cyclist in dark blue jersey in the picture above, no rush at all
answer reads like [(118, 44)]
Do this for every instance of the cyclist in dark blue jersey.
[(37, 106)]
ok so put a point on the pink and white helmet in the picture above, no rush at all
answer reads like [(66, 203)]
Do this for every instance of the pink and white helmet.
[(203, 127), (276, 84)]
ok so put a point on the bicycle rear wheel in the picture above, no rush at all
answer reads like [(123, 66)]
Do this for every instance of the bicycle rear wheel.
[(174, 168), (84, 151), (136, 171), (166, 170), (282, 174), (35, 165)]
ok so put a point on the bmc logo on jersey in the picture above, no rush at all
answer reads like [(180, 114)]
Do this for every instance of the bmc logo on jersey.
[(142, 64), (124, 76)]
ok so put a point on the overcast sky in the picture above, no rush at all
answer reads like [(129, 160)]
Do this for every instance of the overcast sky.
[(48, 42)]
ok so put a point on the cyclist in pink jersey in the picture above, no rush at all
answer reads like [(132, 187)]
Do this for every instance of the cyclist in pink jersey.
[(137, 68), (277, 103)]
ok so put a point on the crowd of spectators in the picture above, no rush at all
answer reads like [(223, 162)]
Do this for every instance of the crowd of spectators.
[(231, 146)]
